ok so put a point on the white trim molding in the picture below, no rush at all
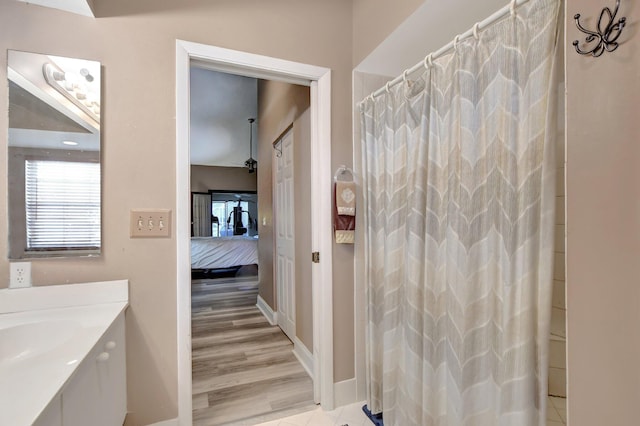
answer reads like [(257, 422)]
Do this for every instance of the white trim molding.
[(346, 392), (266, 310), (183, 235), (171, 422), (319, 79), (304, 355)]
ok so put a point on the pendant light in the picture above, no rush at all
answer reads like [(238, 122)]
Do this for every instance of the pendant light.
[(251, 163)]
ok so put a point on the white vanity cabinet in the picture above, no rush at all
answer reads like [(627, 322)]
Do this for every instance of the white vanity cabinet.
[(96, 393), (64, 361)]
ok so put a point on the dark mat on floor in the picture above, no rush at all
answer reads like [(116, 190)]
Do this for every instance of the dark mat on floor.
[(376, 419), (234, 271)]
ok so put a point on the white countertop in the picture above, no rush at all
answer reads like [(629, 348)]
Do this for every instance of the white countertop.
[(40, 349)]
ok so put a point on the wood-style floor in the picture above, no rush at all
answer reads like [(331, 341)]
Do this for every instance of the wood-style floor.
[(243, 367)]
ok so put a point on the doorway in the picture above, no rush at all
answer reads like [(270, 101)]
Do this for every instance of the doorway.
[(319, 80)]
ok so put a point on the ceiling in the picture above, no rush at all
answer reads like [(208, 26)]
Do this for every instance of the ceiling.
[(80, 7), (434, 24), (221, 105)]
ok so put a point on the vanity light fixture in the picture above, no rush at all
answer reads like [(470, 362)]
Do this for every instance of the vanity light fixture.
[(251, 163), (72, 87), (86, 74)]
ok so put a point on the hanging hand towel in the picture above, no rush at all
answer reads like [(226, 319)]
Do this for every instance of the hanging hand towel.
[(346, 198), (344, 224)]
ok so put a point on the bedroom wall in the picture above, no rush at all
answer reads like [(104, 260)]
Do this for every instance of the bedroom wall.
[(135, 42), (204, 178), (280, 105)]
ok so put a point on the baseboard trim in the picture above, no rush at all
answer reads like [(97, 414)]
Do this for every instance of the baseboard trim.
[(345, 392), (172, 422), (304, 356), (266, 310)]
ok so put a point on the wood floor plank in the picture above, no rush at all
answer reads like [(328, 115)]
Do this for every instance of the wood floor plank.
[(200, 401), (243, 367)]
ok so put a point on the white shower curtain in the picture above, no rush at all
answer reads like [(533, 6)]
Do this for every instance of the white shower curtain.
[(458, 181)]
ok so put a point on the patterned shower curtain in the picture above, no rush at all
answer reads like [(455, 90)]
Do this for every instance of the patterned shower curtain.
[(458, 181)]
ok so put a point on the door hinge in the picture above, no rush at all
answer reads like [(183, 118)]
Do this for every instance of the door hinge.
[(315, 257)]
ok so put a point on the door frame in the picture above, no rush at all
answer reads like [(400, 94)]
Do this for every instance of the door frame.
[(258, 66)]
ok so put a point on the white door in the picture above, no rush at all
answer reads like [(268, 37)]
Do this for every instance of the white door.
[(284, 231)]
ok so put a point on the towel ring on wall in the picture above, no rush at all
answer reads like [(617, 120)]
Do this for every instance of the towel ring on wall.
[(606, 37), (342, 174)]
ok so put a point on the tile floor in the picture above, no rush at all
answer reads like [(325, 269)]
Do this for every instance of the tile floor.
[(352, 415)]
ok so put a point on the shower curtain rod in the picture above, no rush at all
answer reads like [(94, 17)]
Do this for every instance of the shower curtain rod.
[(427, 62)]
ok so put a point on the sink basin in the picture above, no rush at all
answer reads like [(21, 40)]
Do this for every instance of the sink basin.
[(24, 341)]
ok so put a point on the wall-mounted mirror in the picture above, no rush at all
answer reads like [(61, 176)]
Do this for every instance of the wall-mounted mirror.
[(53, 156)]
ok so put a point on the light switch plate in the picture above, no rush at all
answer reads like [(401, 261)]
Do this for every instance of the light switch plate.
[(150, 223)]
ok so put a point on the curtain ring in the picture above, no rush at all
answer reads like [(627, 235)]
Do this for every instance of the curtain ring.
[(386, 87), (428, 61), (456, 41), (475, 31), (512, 7), (405, 79), (406, 84)]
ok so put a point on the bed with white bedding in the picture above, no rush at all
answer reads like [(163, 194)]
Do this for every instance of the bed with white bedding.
[(223, 252)]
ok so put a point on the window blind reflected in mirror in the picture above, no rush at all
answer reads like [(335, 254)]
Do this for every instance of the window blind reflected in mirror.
[(62, 205)]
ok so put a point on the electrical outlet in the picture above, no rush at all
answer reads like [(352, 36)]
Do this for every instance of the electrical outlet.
[(150, 223), (20, 274)]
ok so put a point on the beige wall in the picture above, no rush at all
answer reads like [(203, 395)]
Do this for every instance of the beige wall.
[(603, 225), (302, 182), (135, 41), (204, 178), (279, 106), (374, 20)]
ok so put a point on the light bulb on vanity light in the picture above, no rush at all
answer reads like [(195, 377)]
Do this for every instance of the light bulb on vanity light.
[(90, 100), (58, 76), (86, 74), (80, 92)]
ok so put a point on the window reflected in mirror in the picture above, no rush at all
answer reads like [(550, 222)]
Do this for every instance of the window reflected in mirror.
[(54, 194)]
